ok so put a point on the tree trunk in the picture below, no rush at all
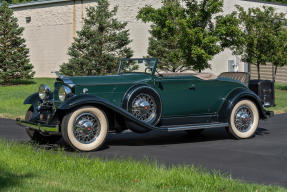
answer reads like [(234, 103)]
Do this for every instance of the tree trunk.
[(274, 78), (258, 71)]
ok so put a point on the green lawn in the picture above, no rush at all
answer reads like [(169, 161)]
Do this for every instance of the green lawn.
[(12, 97), (280, 98), (23, 168)]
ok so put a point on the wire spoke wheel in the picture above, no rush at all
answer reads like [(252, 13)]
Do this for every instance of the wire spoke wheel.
[(243, 118), (86, 128), (144, 107)]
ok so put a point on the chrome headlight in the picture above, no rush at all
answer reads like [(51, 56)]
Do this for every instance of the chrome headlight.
[(44, 91), (64, 91)]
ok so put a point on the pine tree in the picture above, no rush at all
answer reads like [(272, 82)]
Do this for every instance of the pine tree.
[(14, 56), (100, 44)]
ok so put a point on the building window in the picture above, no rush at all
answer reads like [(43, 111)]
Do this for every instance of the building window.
[(28, 19), (246, 67), (230, 65)]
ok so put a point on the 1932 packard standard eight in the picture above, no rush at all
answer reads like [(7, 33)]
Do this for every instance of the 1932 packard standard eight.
[(83, 110)]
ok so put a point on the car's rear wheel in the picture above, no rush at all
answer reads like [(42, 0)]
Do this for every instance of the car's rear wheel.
[(244, 119), (37, 136), (85, 129)]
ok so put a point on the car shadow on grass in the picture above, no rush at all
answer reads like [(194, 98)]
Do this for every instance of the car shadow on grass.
[(9, 179)]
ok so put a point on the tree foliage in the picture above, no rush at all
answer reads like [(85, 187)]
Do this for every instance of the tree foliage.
[(14, 56), (99, 45), (279, 56), (260, 29), (184, 34)]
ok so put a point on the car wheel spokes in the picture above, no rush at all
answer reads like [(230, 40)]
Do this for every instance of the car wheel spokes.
[(243, 118), (86, 128), (144, 107)]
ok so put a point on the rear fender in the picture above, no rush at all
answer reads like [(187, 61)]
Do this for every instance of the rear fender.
[(235, 96)]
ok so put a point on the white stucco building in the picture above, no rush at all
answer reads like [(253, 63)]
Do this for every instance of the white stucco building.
[(50, 26)]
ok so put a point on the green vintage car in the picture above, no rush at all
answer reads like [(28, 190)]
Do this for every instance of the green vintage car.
[(84, 109)]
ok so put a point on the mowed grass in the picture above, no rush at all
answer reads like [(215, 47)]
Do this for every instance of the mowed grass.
[(280, 98), (13, 96), (23, 168)]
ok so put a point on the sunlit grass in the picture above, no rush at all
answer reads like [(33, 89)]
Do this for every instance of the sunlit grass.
[(12, 96), (23, 168)]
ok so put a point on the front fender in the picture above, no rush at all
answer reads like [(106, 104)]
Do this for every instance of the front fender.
[(236, 95), (32, 99), (88, 99)]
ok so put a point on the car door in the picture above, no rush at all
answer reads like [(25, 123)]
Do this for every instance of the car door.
[(183, 96)]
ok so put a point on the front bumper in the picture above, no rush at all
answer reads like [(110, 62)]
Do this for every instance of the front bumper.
[(51, 129)]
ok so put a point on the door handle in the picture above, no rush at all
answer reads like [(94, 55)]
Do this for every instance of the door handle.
[(192, 87)]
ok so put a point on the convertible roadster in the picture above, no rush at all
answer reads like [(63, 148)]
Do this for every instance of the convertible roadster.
[(83, 110)]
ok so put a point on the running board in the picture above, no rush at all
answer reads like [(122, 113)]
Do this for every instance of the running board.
[(192, 127)]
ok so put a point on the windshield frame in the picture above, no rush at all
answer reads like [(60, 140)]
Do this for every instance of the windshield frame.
[(136, 59)]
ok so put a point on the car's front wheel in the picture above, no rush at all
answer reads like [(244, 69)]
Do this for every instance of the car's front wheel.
[(85, 129), (244, 119)]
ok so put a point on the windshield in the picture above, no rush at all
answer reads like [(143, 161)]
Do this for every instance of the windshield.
[(137, 65)]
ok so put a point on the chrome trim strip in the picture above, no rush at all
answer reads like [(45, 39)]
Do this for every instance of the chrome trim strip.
[(193, 127), (43, 128)]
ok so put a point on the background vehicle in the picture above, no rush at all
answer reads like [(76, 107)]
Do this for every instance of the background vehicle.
[(84, 109)]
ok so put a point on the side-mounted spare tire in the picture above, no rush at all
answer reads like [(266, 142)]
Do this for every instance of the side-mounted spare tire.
[(144, 103)]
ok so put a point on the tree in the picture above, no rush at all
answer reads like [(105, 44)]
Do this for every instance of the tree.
[(99, 45), (14, 56), (184, 35), (259, 33), (279, 56), (164, 40)]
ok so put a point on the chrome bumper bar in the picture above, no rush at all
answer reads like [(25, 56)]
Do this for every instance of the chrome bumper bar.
[(38, 126)]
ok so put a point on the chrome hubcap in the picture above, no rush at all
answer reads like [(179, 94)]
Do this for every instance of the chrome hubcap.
[(144, 107), (243, 118), (86, 128)]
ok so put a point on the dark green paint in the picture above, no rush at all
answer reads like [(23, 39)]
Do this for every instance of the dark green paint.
[(180, 95)]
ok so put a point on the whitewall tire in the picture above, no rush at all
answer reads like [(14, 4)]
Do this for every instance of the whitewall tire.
[(244, 119), (85, 129)]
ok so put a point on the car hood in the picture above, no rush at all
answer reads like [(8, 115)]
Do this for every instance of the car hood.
[(108, 79)]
